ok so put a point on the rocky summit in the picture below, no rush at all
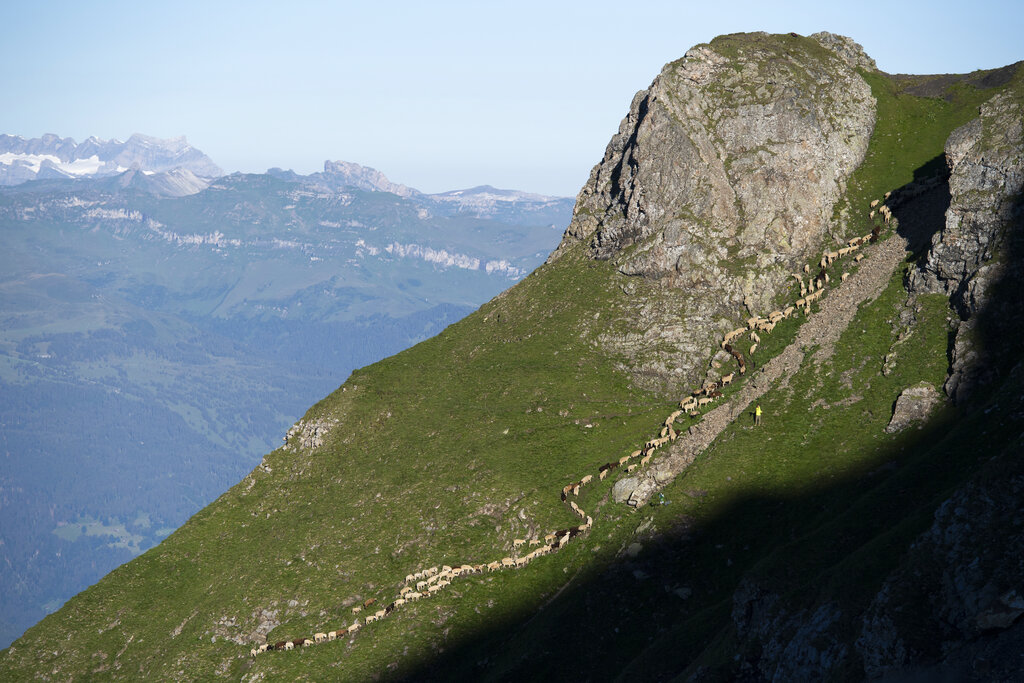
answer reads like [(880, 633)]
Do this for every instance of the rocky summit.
[(757, 417)]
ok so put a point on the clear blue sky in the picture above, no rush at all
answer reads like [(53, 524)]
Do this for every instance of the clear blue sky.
[(437, 95)]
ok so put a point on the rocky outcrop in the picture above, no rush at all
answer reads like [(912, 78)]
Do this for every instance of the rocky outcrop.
[(913, 405), (723, 177), (975, 249), (801, 645), (957, 587)]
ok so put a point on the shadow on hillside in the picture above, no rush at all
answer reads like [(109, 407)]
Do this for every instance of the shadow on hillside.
[(652, 616)]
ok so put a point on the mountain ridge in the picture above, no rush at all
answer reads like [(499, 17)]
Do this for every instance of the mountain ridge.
[(770, 557)]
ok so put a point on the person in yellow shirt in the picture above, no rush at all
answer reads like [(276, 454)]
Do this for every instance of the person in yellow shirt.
[(757, 414)]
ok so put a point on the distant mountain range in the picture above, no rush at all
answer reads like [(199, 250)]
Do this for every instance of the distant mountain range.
[(52, 156)]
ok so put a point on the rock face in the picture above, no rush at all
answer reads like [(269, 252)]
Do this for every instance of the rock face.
[(913, 405), (723, 177), (959, 580), (986, 161)]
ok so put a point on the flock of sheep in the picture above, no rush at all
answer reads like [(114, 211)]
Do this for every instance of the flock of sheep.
[(427, 582)]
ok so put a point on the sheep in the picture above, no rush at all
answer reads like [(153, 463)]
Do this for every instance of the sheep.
[(354, 627), (290, 645), (522, 562), (357, 609), (253, 652), (644, 460), (565, 491), (754, 337), (753, 348), (332, 635), (548, 538), (433, 589), (727, 379), (406, 589), (433, 579), (446, 568), (886, 196), (370, 618), (369, 601), (519, 542), (874, 203), (536, 541), (587, 479), (826, 278), (413, 597), (704, 401), (493, 566), (264, 647), (803, 291), (430, 572), (775, 316), (279, 645), (381, 613), (664, 432), (442, 584), (319, 637), (844, 277), (409, 578), (576, 489), (832, 256), (807, 268), (420, 585), (631, 468), (624, 459), (824, 262), (507, 562), (800, 302), (399, 602)]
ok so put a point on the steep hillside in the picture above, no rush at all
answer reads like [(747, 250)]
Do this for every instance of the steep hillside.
[(782, 551)]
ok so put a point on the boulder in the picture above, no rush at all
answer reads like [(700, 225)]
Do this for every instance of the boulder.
[(914, 405)]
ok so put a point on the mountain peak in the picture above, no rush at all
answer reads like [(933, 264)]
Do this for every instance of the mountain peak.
[(348, 174)]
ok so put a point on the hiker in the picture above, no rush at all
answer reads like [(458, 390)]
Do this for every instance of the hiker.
[(757, 414)]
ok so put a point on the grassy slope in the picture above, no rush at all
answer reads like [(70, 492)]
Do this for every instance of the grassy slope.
[(420, 471)]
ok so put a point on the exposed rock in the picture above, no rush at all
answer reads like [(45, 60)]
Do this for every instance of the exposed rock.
[(308, 435), (721, 181), (986, 161), (787, 646), (958, 580), (914, 404), (624, 488)]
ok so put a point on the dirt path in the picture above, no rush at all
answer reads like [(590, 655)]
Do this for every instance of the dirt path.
[(822, 329)]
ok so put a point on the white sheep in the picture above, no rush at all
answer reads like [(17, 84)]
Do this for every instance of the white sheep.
[(727, 379), (874, 203), (587, 479), (644, 460), (844, 277), (519, 542), (289, 645), (753, 348), (319, 637), (354, 627), (357, 609)]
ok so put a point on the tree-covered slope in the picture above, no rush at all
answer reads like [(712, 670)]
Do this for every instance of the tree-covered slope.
[(760, 556)]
